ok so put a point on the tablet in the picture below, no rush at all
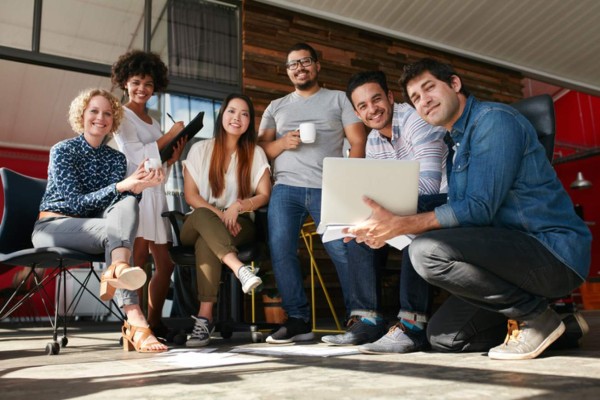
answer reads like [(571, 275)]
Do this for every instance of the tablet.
[(189, 131)]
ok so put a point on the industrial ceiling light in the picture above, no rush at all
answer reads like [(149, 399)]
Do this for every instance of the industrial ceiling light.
[(581, 182)]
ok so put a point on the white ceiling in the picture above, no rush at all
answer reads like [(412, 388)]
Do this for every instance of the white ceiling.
[(557, 41)]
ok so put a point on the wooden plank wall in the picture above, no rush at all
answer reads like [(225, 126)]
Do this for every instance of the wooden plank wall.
[(268, 31)]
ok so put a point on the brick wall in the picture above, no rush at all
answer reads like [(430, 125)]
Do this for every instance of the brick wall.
[(269, 31)]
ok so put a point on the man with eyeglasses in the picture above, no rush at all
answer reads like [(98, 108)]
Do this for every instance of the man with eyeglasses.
[(297, 171)]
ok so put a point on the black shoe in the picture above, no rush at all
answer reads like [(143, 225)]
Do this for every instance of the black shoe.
[(576, 329), (162, 333), (293, 330)]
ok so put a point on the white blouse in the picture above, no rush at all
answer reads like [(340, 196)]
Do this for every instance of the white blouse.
[(137, 140), (198, 162)]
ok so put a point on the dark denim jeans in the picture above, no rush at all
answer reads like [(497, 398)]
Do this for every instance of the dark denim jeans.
[(288, 208), (364, 278), (415, 292)]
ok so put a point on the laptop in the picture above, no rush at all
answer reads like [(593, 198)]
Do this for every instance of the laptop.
[(392, 183)]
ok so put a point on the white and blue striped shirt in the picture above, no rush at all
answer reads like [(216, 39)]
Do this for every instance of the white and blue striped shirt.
[(414, 139)]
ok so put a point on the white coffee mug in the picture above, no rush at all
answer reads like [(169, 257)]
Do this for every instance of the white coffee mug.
[(308, 132), (152, 163)]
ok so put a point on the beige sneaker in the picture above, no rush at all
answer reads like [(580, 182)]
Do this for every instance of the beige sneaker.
[(528, 339)]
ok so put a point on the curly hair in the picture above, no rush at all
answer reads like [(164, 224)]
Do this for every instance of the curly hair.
[(137, 62), (79, 104)]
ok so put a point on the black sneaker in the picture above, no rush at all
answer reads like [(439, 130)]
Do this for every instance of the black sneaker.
[(575, 329), (201, 334), (358, 332), (293, 330)]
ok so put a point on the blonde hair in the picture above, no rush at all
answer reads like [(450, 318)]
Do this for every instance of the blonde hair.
[(82, 100)]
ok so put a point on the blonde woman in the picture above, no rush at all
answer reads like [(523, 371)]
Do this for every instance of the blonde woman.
[(91, 205)]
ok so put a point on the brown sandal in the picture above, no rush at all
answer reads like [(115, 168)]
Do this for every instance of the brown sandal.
[(129, 343), (130, 278)]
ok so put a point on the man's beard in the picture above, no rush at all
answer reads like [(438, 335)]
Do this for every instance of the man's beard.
[(306, 85)]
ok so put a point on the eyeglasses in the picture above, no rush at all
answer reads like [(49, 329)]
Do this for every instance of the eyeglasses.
[(294, 64)]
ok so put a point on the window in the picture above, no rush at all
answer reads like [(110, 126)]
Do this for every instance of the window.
[(16, 21), (204, 41), (92, 30)]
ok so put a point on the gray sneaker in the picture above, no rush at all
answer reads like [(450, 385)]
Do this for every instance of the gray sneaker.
[(201, 334), (399, 339), (247, 278), (528, 339), (358, 332)]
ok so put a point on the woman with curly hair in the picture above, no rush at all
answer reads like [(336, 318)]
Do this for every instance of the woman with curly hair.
[(91, 205), (141, 74), (225, 180)]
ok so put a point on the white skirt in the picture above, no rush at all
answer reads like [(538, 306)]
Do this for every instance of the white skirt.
[(152, 226)]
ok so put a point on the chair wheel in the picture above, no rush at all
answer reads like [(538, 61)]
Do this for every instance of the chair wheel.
[(52, 348), (180, 338), (64, 341), (257, 337)]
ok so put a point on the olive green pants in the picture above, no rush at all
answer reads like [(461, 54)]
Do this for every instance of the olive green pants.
[(204, 230)]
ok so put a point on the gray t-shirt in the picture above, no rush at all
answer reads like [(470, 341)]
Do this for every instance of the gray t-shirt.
[(330, 111)]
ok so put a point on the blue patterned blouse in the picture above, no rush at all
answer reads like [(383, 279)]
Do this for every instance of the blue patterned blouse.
[(82, 180)]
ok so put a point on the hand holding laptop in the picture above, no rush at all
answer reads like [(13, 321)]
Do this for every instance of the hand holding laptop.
[(378, 229), (389, 186)]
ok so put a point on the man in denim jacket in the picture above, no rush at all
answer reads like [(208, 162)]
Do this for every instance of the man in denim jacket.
[(508, 239)]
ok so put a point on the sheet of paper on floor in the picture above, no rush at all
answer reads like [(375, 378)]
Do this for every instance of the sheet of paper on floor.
[(204, 358), (297, 350)]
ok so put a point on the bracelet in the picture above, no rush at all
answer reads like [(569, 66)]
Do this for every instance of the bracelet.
[(251, 204)]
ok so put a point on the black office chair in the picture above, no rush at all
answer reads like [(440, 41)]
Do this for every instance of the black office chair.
[(539, 110), (229, 312), (22, 196)]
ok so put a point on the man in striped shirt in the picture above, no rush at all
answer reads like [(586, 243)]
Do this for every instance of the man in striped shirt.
[(397, 132)]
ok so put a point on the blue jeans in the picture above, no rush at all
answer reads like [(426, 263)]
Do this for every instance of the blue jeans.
[(364, 278), (415, 293), (288, 208)]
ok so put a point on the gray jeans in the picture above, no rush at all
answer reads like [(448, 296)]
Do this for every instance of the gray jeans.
[(115, 227), (500, 271)]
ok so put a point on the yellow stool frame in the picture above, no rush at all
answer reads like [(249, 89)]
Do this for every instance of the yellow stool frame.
[(307, 236)]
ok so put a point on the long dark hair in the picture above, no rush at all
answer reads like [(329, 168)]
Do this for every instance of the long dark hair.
[(245, 152)]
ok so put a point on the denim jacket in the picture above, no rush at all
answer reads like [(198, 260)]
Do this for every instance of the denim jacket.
[(501, 177)]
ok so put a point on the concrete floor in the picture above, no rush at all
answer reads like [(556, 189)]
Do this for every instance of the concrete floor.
[(93, 366)]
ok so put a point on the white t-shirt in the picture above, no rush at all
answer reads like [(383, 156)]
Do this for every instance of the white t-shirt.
[(197, 164)]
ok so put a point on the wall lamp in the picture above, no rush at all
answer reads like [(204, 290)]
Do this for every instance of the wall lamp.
[(581, 182)]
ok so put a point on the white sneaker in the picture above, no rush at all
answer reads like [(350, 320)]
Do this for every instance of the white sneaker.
[(528, 339), (247, 278)]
